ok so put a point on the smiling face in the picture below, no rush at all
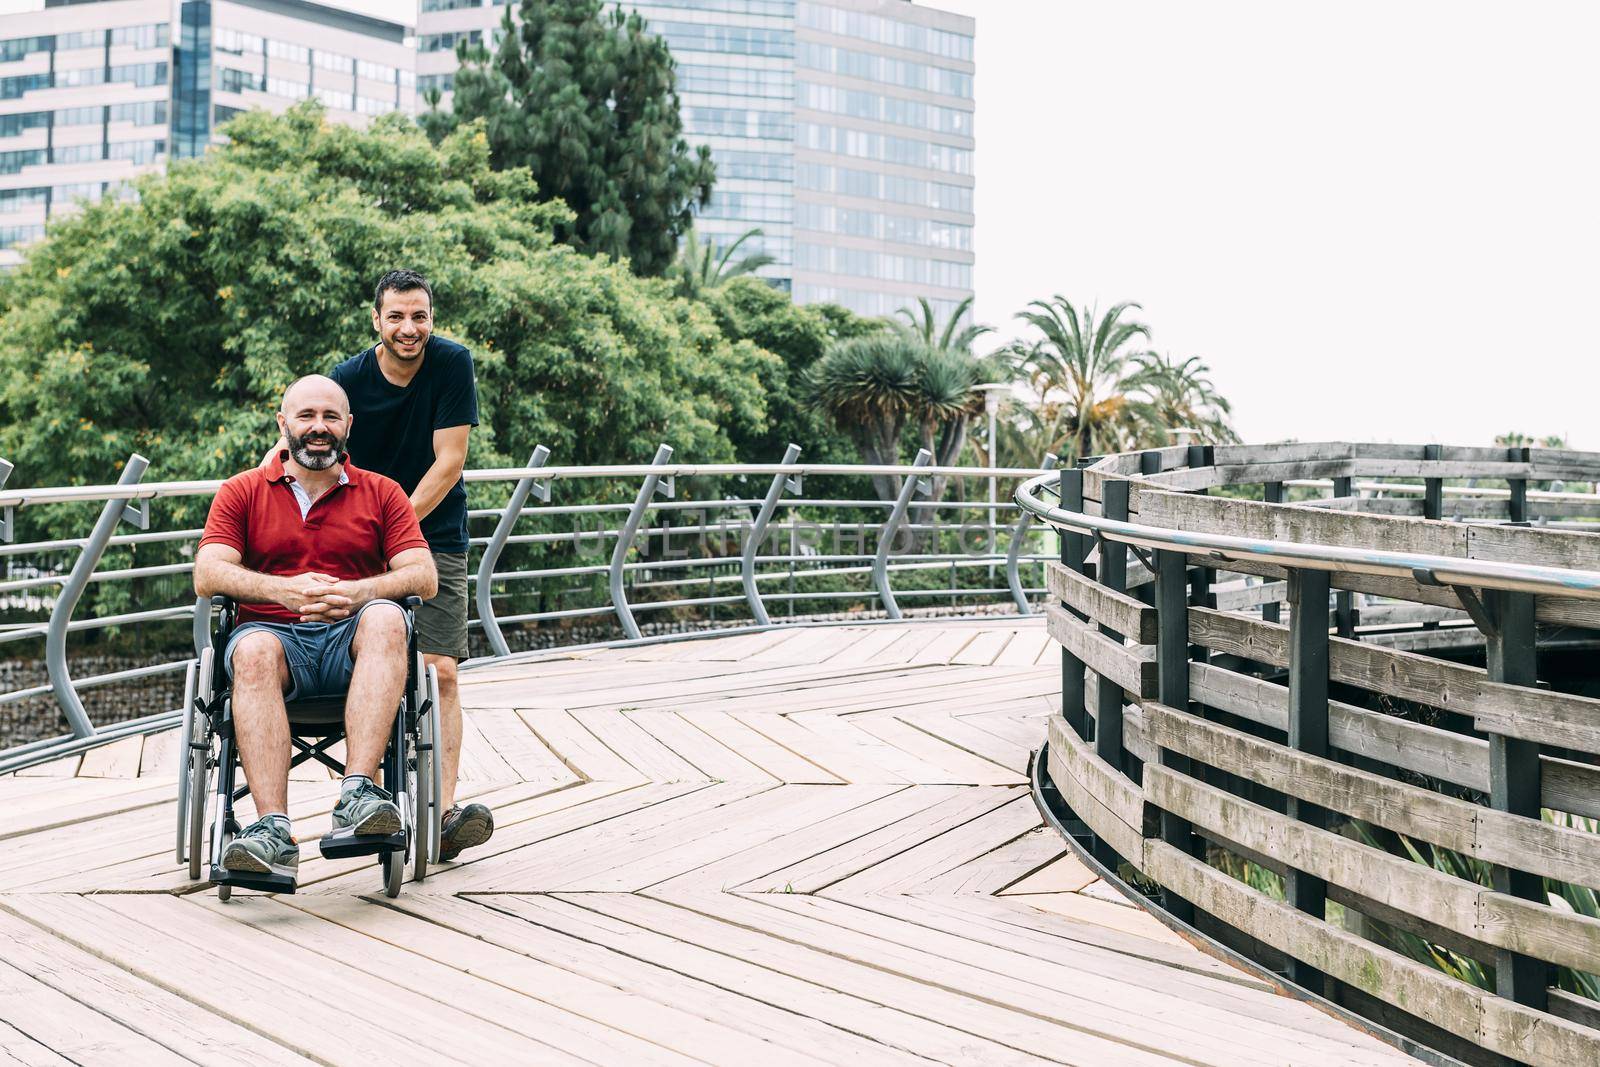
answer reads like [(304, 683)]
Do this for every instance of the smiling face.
[(315, 421), (404, 321)]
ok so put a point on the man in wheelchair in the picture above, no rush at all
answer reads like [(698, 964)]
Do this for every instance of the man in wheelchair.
[(318, 553)]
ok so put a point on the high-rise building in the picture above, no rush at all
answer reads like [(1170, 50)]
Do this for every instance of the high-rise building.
[(843, 130), (92, 94)]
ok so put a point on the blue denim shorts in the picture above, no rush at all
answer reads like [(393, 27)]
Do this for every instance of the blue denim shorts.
[(319, 653)]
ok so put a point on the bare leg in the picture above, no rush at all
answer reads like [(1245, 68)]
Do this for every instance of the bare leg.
[(260, 724), (449, 725), (375, 687)]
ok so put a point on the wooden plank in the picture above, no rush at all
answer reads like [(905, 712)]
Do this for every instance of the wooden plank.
[(65, 767), (946, 645), (841, 761), (1533, 545), (1273, 522), (982, 649), (160, 756), (116, 759), (1117, 792), (1127, 615), (1024, 648), (69, 1028), (1494, 836), (759, 749), (713, 759), (1127, 839), (1133, 668), (871, 750), (525, 756), (914, 869), (962, 766), (1530, 1036), (583, 753), (187, 1030)]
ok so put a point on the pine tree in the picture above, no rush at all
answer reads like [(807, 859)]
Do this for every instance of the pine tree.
[(587, 101)]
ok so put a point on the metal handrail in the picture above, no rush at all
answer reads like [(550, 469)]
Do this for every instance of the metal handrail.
[(1430, 570)]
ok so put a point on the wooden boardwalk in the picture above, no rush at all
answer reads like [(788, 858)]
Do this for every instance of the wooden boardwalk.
[(797, 847)]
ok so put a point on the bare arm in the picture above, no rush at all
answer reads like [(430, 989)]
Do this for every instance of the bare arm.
[(410, 573), (271, 453), (449, 459), (218, 571)]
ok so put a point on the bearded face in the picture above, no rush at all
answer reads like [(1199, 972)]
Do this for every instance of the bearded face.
[(317, 449)]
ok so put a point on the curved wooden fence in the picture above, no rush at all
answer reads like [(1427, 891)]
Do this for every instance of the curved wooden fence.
[(1351, 734)]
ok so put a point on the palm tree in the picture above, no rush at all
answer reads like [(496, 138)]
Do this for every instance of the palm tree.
[(923, 325), (700, 269), (1090, 371), (878, 386), (1182, 397)]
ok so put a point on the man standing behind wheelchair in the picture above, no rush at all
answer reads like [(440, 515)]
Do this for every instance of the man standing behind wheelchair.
[(317, 552), (415, 400)]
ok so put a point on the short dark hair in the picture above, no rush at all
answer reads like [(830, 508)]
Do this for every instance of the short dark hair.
[(401, 281)]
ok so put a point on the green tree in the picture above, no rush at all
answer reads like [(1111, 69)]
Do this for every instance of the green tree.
[(1087, 375), (701, 268), (1182, 397), (587, 102), (923, 324), (882, 388), (170, 325)]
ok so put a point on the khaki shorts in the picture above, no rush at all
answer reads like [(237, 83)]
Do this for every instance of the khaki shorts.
[(442, 622)]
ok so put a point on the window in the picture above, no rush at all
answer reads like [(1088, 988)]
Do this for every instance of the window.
[(292, 89), (334, 61), (294, 53), (368, 105), (732, 7), (18, 47), (136, 151), (77, 153), (11, 236), (740, 40), (68, 42), (67, 195), (237, 81), (869, 185), (885, 31), (12, 125), (12, 162), (148, 113), (11, 88), (342, 99), (375, 72), (440, 42), (901, 229), (888, 149), (761, 166), (240, 44), (448, 5), (748, 207), (222, 113), (22, 199), (442, 82), (736, 81), (79, 116), (864, 105), (884, 69), (152, 35), (738, 122), (885, 266), (864, 302)]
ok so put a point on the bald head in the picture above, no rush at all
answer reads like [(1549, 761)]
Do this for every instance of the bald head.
[(315, 421), (315, 391)]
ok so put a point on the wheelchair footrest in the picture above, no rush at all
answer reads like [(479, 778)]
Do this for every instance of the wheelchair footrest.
[(342, 844), (259, 881)]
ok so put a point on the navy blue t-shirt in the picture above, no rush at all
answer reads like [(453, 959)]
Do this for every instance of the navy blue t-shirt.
[(392, 431)]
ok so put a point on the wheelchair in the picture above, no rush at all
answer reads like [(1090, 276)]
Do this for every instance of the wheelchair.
[(208, 763)]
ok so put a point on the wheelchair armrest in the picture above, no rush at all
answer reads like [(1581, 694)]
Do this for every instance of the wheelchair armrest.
[(411, 603), (221, 602)]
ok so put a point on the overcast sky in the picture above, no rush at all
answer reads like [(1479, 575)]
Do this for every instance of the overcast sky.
[(1374, 220)]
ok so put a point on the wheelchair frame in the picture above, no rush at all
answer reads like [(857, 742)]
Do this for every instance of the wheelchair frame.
[(410, 768)]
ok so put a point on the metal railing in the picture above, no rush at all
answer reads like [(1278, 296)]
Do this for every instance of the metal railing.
[(778, 536)]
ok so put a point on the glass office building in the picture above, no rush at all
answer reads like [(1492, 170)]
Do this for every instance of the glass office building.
[(842, 130)]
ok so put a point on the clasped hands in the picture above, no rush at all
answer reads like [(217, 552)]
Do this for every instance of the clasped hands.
[(318, 597)]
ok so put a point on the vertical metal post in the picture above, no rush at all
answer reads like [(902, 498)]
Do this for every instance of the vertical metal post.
[(1019, 534), (1272, 493), (1515, 784), (1113, 574), (1432, 488), (1344, 600), (758, 534), (55, 640), (1172, 685), (1074, 549), (497, 544), (891, 527), (1200, 578), (1519, 486), (619, 554), (1308, 732), (7, 531)]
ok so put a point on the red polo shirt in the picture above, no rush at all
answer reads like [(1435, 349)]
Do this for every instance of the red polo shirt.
[(351, 532)]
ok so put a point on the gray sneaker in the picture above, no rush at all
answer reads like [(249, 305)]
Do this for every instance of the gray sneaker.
[(263, 847), (367, 809)]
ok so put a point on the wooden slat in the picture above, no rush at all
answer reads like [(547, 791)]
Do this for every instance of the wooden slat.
[(1133, 668), (1130, 617), (1077, 772)]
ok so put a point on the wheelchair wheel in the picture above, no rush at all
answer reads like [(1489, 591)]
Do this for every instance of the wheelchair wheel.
[(434, 787), (394, 872), (421, 777), (189, 682), (196, 766)]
